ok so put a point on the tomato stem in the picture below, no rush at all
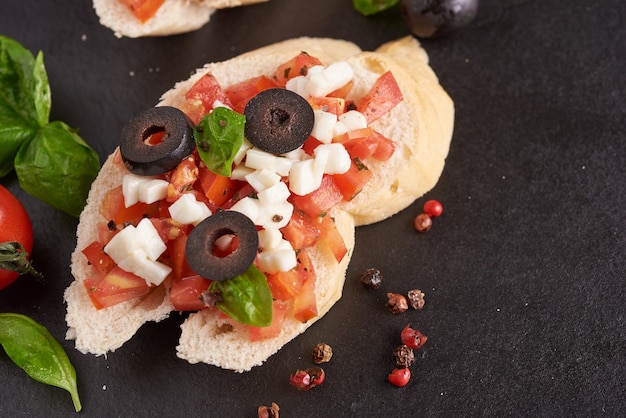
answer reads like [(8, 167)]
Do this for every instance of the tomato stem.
[(14, 257)]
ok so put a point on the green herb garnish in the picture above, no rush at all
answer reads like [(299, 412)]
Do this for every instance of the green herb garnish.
[(370, 7)]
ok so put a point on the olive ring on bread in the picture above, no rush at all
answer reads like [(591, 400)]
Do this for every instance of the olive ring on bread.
[(381, 134)]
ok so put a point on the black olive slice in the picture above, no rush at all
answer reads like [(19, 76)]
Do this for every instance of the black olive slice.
[(278, 120), (145, 159), (201, 242)]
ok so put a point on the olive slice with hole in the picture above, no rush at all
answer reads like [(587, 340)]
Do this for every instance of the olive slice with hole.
[(143, 154), (278, 120), (201, 245)]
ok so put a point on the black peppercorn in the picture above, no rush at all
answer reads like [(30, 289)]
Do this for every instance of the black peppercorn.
[(371, 278), (403, 356)]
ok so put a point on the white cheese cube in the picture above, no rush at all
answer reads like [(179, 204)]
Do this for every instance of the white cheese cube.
[(153, 190), (318, 85), (274, 194), (122, 244), (249, 207), (324, 126), (188, 211), (140, 264), (259, 160), (148, 238), (245, 146), (275, 216), (298, 85), (337, 74), (262, 179), (353, 119), (240, 172), (305, 177), (269, 238), (335, 158), (142, 189), (130, 189), (274, 261)]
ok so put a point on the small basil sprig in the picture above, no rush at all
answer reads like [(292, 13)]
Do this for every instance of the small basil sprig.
[(370, 7), (51, 161), (31, 346), (219, 136), (246, 298)]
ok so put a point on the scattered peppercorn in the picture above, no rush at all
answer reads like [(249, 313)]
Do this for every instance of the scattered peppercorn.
[(433, 208), (400, 377), (371, 278), (269, 411), (412, 338), (416, 299), (308, 378), (322, 353), (423, 222), (403, 356), (396, 303)]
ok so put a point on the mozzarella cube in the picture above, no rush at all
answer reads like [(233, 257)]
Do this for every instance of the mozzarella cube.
[(324, 126), (153, 190), (262, 179), (240, 172), (298, 85), (122, 244), (305, 177), (188, 211), (259, 160), (249, 207), (334, 157), (274, 194), (275, 216), (140, 264), (149, 239), (269, 238), (240, 155), (337, 74), (353, 119), (276, 260), (142, 189), (130, 189), (318, 85)]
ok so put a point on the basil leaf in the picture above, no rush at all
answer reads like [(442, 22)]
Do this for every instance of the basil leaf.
[(219, 136), (31, 346), (24, 99), (246, 298), (57, 167), (370, 7)]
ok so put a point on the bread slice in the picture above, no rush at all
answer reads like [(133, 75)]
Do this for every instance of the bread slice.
[(173, 17), (421, 125)]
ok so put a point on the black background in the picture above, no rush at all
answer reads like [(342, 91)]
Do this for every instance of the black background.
[(523, 273)]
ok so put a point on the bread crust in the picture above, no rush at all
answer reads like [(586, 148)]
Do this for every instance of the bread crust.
[(421, 125)]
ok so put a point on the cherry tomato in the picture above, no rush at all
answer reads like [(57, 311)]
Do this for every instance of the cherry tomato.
[(15, 226), (400, 377), (433, 208)]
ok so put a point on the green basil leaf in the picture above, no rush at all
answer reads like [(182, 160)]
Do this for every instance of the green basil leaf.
[(370, 7), (219, 136), (24, 99), (31, 346), (246, 298), (57, 167)]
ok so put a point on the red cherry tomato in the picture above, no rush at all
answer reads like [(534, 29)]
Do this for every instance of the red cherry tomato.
[(433, 208), (400, 377), (15, 226)]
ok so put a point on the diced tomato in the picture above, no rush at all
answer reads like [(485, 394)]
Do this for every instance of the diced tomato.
[(218, 189), (301, 232), (208, 91), (352, 182), (384, 95), (240, 93), (182, 178), (177, 259), (112, 208), (331, 238), (167, 229), (105, 233), (115, 287), (96, 257), (342, 91), (244, 191), (320, 200), (194, 109), (299, 65), (367, 142), (279, 312), (185, 293), (305, 303), (310, 144), (143, 9), (335, 105)]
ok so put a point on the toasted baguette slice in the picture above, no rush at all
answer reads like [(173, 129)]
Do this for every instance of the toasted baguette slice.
[(421, 125), (173, 17)]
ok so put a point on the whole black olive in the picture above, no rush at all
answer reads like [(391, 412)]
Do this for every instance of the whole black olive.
[(278, 120), (145, 159), (435, 18), (200, 245)]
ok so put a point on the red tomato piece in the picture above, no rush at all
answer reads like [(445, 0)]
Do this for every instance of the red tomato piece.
[(367, 142), (384, 95), (301, 232), (143, 9), (208, 91), (320, 200), (240, 93), (96, 257), (331, 237), (335, 105), (15, 226), (352, 182), (115, 287), (112, 208), (285, 285), (342, 91), (185, 293), (218, 189), (182, 178), (305, 303), (279, 312), (299, 65), (310, 144)]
